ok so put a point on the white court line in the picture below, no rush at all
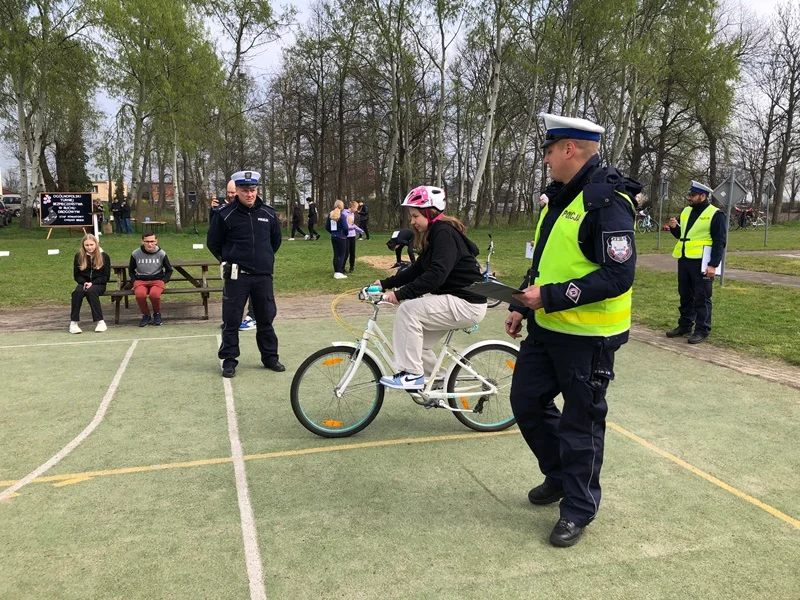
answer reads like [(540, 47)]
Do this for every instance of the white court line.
[(255, 570), (176, 337), (98, 417)]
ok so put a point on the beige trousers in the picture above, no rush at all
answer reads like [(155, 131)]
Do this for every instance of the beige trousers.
[(422, 322)]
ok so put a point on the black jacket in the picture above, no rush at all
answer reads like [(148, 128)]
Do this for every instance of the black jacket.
[(719, 232), (297, 215), (91, 275), (446, 266), (363, 212), (608, 216), (124, 210), (312, 213), (248, 237)]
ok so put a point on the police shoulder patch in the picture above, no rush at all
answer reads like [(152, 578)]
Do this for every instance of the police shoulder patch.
[(573, 292), (619, 247)]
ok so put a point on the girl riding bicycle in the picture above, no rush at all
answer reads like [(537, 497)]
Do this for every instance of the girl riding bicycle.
[(444, 268)]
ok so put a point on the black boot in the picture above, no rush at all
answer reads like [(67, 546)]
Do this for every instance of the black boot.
[(678, 332), (546, 493), (565, 534)]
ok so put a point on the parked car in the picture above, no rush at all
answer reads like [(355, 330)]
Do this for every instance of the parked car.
[(5, 215), (13, 203)]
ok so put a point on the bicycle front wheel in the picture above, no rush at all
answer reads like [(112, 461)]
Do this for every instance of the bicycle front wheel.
[(314, 399), (495, 363)]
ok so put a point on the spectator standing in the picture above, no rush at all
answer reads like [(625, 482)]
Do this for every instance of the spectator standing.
[(312, 219), (115, 216), (91, 270), (244, 236), (150, 271), (125, 216), (701, 224), (297, 219), (350, 250), (336, 225), (363, 218)]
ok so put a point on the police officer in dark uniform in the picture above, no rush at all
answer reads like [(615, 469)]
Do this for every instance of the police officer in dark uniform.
[(244, 235), (578, 309), (701, 225)]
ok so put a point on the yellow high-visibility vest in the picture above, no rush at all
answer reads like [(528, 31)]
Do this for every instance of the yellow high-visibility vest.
[(691, 243), (561, 261)]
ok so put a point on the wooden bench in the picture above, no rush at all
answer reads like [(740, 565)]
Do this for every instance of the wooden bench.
[(117, 296)]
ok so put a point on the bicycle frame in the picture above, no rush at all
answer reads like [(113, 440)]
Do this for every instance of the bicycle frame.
[(436, 398)]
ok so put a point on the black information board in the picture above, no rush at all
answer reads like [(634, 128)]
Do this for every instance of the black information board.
[(65, 209)]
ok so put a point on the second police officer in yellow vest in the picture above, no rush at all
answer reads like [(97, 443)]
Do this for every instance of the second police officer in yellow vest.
[(578, 308), (701, 225)]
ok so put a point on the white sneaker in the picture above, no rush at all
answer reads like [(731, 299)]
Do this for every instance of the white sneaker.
[(339, 276), (404, 381), (101, 326), (73, 327), (291, 239), (305, 238)]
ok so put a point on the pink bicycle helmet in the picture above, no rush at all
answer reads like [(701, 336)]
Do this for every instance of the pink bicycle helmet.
[(425, 196)]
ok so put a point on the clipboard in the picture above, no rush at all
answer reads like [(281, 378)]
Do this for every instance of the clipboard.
[(706, 259), (495, 290)]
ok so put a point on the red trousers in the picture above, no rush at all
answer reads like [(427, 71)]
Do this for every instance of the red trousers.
[(142, 289)]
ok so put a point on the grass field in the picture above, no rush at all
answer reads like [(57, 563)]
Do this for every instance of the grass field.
[(416, 506), (765, 264)]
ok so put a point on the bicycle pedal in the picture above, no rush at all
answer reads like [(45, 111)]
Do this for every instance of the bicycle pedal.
[(438, 403)]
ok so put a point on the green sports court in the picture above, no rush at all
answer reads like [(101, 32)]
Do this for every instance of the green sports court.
[(181, 489)]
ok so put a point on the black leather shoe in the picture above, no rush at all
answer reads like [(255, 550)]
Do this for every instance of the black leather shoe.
[(696, 338), (547, 493), (275, 366), (565, 534), (678, 332), (228, 371)]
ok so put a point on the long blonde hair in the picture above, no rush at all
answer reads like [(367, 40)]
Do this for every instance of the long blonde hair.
[(338, 206), (421, 239), (83, 256)]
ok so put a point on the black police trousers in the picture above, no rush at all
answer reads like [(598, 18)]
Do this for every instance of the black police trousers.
[(695, 292), (568, 444), (234, 296)]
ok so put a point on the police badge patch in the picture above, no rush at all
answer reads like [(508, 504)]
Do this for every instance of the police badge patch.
[(619, 248), (573, 292)]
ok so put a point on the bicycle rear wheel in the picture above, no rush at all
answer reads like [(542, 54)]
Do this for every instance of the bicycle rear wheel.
[(495, 363), (492, 302), (315, 403)]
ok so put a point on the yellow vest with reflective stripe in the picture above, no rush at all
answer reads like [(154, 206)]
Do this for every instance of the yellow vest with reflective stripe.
[(691, 243), (562, 261)]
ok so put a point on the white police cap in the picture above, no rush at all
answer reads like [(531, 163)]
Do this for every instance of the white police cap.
[(246, 178), (569, 128), (699, 188)]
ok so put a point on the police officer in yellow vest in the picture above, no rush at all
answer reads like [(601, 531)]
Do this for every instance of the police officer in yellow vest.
[(701, 225), (578, 310)]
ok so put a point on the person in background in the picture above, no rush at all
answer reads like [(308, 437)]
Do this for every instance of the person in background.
[(115, 216), (125, 217), (244, 236), (297, 219), (701, 224), (149, 270), (400, 239), (336, 225), (363, 218), (312, 219), (91, 271), (350, 251)]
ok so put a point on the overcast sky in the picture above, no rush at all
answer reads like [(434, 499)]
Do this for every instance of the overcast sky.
[(268, 62)]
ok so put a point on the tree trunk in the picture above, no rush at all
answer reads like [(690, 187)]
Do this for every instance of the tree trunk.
[(176, 190)]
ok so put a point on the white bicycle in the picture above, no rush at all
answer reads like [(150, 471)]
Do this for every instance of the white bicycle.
[(336, 392)]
